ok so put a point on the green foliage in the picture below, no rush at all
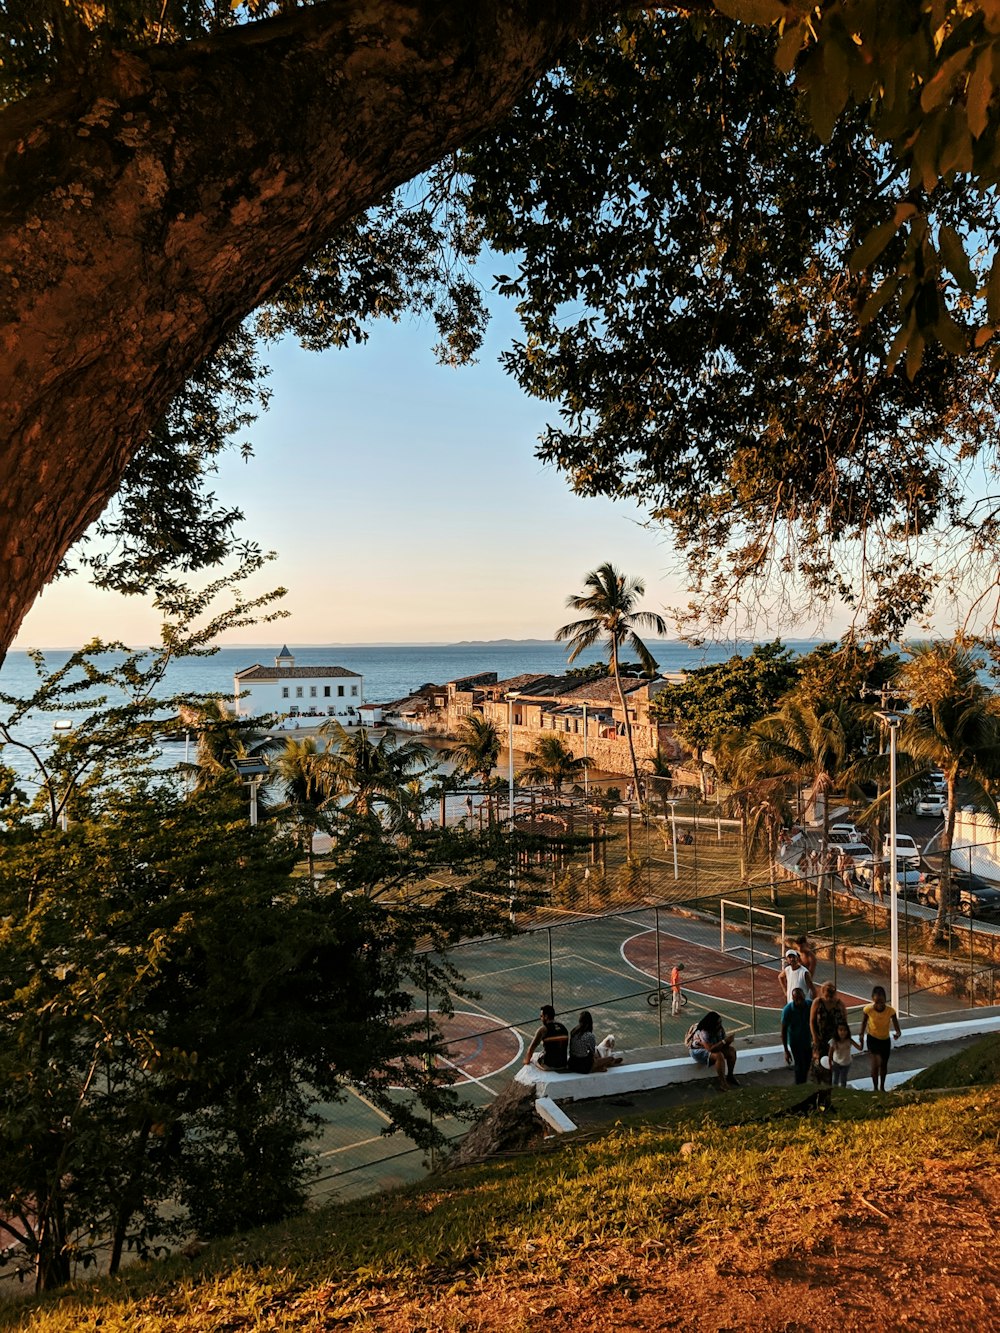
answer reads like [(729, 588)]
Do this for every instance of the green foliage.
[(976, 1065), (730, 696), (552, 763), (678, 236)]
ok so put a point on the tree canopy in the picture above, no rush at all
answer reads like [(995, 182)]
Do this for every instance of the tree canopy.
[(736, 282)]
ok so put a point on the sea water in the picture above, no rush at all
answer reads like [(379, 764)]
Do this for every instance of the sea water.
[(389, 671)]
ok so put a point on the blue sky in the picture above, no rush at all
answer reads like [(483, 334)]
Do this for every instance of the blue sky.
[(406, 505)]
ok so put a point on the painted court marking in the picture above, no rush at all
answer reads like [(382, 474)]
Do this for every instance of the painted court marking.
[(472, 1053), (710, 973)]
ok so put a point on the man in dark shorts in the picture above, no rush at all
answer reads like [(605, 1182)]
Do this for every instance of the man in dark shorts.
[(553, 1038)]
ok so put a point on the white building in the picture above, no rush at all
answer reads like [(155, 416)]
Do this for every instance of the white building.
[(300, 691)]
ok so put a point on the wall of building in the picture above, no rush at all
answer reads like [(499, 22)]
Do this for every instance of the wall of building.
[(304, 693)]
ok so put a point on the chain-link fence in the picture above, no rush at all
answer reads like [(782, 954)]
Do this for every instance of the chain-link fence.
[(615, 903)]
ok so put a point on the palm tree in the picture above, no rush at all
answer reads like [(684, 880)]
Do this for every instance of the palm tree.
[(952, 726), (476, 752), (552, 764), (222, 737), (301, 770), (757, 796), (808, 746), (611, 620), (375, 771)]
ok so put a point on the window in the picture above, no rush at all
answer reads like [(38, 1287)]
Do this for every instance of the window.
[(284, 692), (298, 691), (312, 691), (340, 691), (326, 691), (354, 691)]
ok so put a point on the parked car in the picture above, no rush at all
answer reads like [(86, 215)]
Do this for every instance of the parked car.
[(859, 851), (906, 848), (850, 832), (932, 805), (909, 877), (971, 895)]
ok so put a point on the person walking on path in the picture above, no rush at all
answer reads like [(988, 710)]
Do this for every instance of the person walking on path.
[(553, 1038), (710, 1045), (841, 1053), (795, 974), (675, 989), (795, 1035), (878, 1018), (585, 1055), (826, 1013)]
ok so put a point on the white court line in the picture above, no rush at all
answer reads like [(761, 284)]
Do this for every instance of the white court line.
[(365, 1102), (349, 1147), (471, 1078)]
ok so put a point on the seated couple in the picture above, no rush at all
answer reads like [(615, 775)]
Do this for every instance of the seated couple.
[(575, 1052)]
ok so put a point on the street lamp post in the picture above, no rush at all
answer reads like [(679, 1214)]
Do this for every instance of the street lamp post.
[(673, 832), (892, 720), (515, 694), (252, 772)]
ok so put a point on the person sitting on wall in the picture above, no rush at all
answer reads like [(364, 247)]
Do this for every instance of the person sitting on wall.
[(553, 1038), (585, 1055), (710, 1045)]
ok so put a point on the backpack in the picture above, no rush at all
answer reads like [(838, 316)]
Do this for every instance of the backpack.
[(692, 1033)]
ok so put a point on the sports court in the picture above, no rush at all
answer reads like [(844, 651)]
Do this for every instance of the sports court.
[(607, 964)]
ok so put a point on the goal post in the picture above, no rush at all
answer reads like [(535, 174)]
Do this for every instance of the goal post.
[(741, 916)]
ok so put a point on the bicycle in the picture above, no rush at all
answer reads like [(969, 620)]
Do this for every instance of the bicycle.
[(658, 997)]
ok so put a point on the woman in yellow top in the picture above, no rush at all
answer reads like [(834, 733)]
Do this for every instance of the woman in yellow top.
[(877, 1020)]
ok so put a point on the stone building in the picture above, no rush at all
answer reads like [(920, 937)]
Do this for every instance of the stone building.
[(586, 715)]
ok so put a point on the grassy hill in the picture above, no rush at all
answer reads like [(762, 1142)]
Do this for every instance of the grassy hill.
[(736, 1214)]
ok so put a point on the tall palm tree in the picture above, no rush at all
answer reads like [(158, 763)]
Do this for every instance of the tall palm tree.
[(612, 619), (476, 751), (551, 764), (952, 725), (808, 746), (374, 771)]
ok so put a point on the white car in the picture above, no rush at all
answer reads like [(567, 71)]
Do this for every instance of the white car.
[(857, 834), (906, 848), (932, 806)]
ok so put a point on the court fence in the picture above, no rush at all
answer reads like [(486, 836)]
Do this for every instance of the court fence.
[(617, 963)]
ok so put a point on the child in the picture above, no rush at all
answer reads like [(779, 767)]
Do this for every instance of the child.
[(842, 1047)]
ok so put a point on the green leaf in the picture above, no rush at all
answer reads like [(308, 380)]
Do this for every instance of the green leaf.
[(791, 43), (940, 87), (951, 335), (873, 245), (878, 299), (980, 92), (955, 258)]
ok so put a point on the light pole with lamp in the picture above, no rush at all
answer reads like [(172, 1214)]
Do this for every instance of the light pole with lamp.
[(891, 719), (62, 727), (252, 772), (673, 832), (515, 694)]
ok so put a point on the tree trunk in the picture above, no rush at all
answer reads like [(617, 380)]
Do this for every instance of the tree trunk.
[(944, 883), (149, 209)]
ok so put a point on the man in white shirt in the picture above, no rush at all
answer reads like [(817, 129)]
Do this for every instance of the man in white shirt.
[(794, 975)]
